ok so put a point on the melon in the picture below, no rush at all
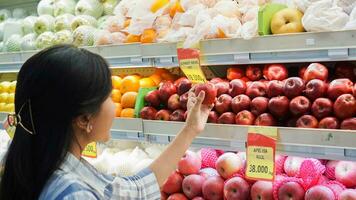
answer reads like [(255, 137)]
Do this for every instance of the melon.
[(13, 43), (4, 14), (27, 24), (45, 40), (89, 7), (83, 20), (63, 7), (19, 13), (43, 23), (84, 36), (63, 22), (102, 21), (45, 7), (28, 42), (63, 37)]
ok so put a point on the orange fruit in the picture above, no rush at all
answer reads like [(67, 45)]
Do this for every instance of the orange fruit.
[(147, 82), (156, 78), (128, 113), (133, 38), (221, 33), (118, 109), (116, 82), (158, 4), (168, 76), (148, 36), (116, 95), (127, 23), (128, 100), (130, 83), (176, 7), (160, 71)]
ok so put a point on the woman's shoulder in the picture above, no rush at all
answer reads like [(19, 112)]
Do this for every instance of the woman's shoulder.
[(66, 186)]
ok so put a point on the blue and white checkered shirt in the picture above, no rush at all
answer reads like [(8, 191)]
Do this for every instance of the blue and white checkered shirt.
[(77, 179)]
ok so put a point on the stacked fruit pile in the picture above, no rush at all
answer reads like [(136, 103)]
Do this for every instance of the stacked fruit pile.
[(125, 90), (215, 175), (7, 96), (268, 96)]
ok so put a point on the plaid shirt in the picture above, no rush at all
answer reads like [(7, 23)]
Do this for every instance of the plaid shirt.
[(79, 180)]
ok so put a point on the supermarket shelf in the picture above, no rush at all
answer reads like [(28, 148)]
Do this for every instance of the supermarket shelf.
[(303, 47)]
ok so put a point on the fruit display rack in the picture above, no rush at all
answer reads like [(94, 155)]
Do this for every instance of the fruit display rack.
[(303, 47)]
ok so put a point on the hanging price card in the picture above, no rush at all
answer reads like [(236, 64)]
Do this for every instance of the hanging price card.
[(189, 62), (261, 147), (90, 150), (9, 129)]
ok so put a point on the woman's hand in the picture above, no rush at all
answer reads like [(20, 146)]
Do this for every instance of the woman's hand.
[(197, 112)]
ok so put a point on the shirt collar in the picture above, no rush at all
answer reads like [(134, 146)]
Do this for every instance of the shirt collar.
[(86, 173)]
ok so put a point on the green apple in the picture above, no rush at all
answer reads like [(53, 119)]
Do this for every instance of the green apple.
[(288, 20)]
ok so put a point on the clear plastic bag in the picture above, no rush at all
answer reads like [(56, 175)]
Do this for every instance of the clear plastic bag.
[(324, 15), (228, 8), (249, 30), (347, 5), (188, 18), (351, 24), (303, 5)]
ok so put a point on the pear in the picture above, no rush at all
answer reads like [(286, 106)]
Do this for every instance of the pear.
[(28, 42), (43, 24), (89, 7), (63, 22), (83, 20), (84, 36), (63, 37), (45, 40)]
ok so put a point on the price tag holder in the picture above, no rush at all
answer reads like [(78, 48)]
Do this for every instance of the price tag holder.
[(261, 148), (189, 63), (90, 150)]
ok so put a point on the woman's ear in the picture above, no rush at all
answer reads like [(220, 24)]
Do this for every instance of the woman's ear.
[(83, 123)]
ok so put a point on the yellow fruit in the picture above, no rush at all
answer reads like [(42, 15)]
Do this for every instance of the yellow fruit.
[(5, 86), (147, 82), (116, 95), (128, 113), (9, 107), (118, 109), (3, 97), (158, 4), (11, 98), (128, 100), (116, 82), (2, 107), (130, 84), (13, 86)]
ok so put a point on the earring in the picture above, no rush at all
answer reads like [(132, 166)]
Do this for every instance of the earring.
[(89, 127)]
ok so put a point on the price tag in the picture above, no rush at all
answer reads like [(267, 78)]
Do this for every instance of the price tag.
[(90, 150), (189, 62), (9, 129), (261, 147)]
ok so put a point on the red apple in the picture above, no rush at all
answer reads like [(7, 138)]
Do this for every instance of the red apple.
[(329, 123), (262, 190), (315, 89), (227, 118), (236, 188), (301, 71), (354, 90), (183, 100), (245, 79), (299, 105), (291, 191), (190, 163), (307, 121), (148, 113), (345, 106), (293, 87), (338, 87), (345, 70), (316, 71), (183, 85), (177, 115), (292, 165), (217, 80), (222, 88), (256, 89), (213, 188), (223, 103), (177, 196), (210, 92), (166, 90), (235, 73), (173, 102), (208, 172), (213, 117), (192, 185), (292, 122), (173, 184), (349, 124), (198, 198), (164, 196), (345, 173), (275, 72), (245, 117), (348, 194), (275, 88), (259, 105), (152, 98), (322, 107), (279, 106), (265, 119), (319, 192), (240, 102), (253, 72), (237, 86), (163, 115), (228, 164)]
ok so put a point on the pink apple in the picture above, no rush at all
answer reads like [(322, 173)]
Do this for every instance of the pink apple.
[(213, 188), (330, 169), (192, 185), (262, 190), (292, 165), (345, 173), (348, 194), (208, 172), (198, 198), (177, 196), (228, 164), (319, 192), (279, 163), (173, 183), (190, 163), (236, 188), (291, 191)]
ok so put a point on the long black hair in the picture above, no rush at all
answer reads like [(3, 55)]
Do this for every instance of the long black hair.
[(54, 86)]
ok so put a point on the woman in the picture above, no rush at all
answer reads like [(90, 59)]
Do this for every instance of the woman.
[(62, 104)]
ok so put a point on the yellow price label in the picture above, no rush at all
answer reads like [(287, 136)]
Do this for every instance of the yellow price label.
[(260, 163), (90, 150)]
